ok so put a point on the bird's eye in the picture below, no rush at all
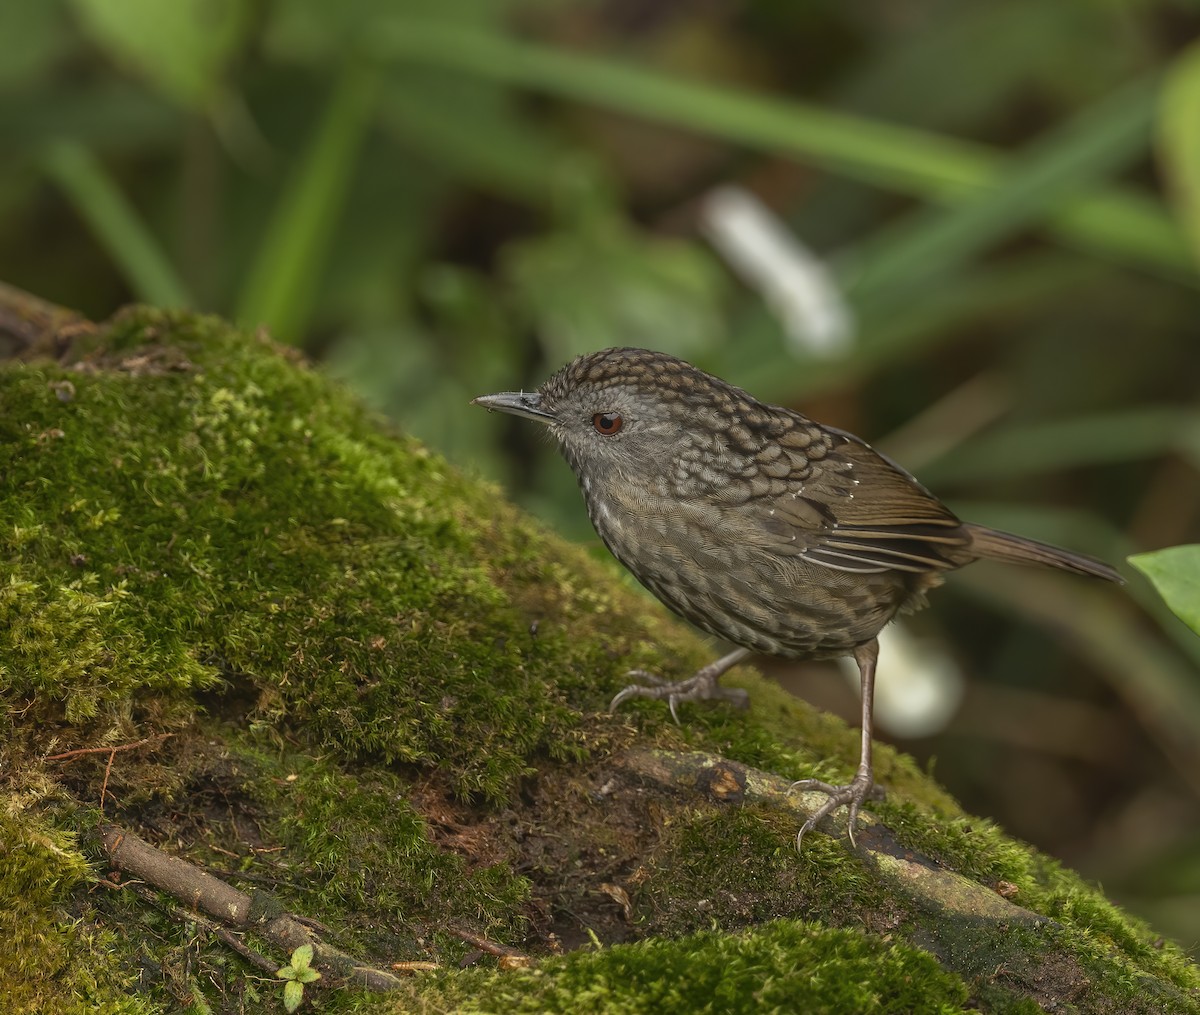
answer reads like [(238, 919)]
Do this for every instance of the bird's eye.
[(607, 423)]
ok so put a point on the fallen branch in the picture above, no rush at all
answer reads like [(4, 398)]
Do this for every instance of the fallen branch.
[(181, 915), (917, 876), (30, 325), (510, 958), (255, 910)]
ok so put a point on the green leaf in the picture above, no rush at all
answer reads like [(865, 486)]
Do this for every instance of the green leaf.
[(1179, 140), (281, 287), (302, 957), (115, 223), (293, 994), (1175, 572), (181, 46)]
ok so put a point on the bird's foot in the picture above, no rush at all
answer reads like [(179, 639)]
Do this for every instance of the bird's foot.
[(860, 788), (701, 687)]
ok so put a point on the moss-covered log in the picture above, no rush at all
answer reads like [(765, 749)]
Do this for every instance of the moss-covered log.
[(386, 690)]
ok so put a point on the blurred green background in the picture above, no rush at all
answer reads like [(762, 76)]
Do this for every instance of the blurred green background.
[(442, 199)]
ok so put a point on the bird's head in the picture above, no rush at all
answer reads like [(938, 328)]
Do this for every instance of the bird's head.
[(620, 413)]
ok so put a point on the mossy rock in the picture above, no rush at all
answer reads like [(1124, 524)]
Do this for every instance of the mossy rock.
[(248, 622)]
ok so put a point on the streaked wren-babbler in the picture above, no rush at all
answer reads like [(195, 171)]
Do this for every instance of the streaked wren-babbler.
[(767, 529)]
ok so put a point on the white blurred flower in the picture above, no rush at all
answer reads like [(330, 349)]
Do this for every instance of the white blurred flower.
[(918, 686), (792, 281)]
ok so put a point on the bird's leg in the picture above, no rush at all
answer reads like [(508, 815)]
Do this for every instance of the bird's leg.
[(859, 788), (700, 687)]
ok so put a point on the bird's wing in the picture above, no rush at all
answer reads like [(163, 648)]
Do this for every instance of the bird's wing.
[(853, 509)]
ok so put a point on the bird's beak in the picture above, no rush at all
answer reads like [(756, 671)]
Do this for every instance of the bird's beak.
[(519, 403)]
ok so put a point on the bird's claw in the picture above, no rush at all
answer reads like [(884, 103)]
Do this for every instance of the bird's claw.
[(651, 678), (860, 788), (701, 687)]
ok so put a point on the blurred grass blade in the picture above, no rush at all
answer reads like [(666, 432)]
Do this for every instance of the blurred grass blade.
[(993, 291), (115, 224), (945, 170), (1157, 686), (117, 115), (1179, 140), (1125, 226), (475, 132), (181, 47), (884, 154), (1099, 142), (1126, 435), (281, 286)]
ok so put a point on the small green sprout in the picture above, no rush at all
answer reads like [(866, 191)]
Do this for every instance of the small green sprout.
[(297, 973)]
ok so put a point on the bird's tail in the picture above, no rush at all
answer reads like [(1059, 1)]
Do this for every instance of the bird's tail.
[(996, 545)]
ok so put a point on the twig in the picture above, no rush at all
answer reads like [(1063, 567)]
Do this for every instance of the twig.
[(112, 754), (257, 910), (184, 916), (416, 967), (80, 752), (107, 772), (491, 947), (244, 950)]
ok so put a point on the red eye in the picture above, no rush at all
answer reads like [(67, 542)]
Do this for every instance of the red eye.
[(607, 423)]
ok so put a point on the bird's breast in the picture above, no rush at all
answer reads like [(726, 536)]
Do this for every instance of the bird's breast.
[(691, 556)]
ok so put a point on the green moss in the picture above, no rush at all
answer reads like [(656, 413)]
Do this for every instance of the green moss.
[(996, 1001), (359, 847), (268, 533), (742, 863), (83, 646), (389, 696), (50, 961), (1104, 938), (783, 966)]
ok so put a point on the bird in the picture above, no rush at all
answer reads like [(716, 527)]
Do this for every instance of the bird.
[(757, 524)]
